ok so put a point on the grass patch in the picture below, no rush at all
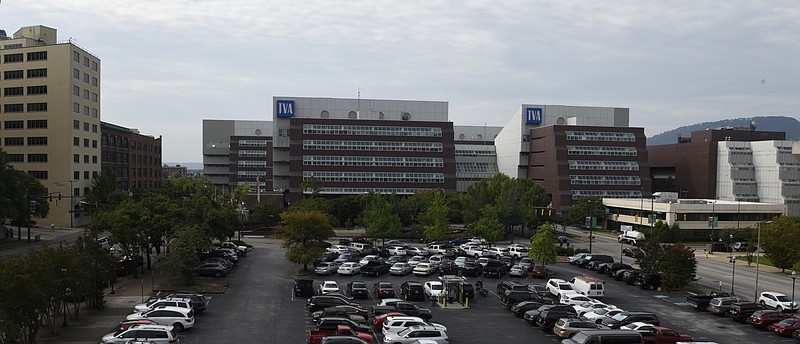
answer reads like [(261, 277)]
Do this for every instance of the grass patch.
[(765, 261)]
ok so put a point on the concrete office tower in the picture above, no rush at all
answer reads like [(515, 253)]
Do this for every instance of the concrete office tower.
[(476, 156), (356, 146), (575, 151), (51, 115), (237, 152)]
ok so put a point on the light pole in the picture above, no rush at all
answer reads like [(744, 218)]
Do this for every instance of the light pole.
[(71, 204), (758, 248), (733, 272), (64, 277), (730, 246), (794, 278)]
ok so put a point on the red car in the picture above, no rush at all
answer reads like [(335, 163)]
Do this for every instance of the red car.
[(763, 319), (786, 326), (383, 289), (540, 271), (128, 323), (377, 322)]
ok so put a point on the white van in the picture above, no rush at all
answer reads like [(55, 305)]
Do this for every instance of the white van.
[(589, 286), (360, 247)]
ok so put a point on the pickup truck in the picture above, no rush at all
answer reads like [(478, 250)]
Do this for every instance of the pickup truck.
[(406, 308), (342, 330), (700, 302), (375, 268), (477, 251), (663, 335)]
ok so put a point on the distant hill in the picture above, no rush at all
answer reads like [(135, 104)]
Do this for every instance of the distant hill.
[(765, 123)]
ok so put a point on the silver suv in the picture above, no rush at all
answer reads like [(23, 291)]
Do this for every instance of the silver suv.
[(172, 302), (180, 318), (419, 332), (158, 334)]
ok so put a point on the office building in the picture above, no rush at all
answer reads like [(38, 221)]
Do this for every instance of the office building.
[(575, 151), (237, 152), (168, 171), (476, 156), (50, 110), (134, 158)]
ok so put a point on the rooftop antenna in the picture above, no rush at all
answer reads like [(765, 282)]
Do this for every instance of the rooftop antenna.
[(358, 104)]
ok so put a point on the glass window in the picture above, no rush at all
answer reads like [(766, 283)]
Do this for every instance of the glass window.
[(94, 81), (13, 91), (37, 141), (76, 158), (85, 126), (76, 91), (76, 73), (11, 58), (13, 125), (37, 123), (12, 74), (76, 124), (94, 65), (37, 73), (41, 89), (76, 141), (76, 56), (37, 107)]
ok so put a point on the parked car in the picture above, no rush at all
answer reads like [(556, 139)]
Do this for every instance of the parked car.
[(526, 263), (328, 287), (574, 259), (412, 291), (649, 281), (518, 252), (539, 289), (659, 335), (172, 302), (740, 311), (557, 286), (211, 269), (763, 319), (357, 290), (547, 319), (589, 306), (383, 289), (415, 334), (721, 305), (511, 297), (566, 327), (342, 311), (349, 268), (598, 315), (517, 271), (786, 327), (374, 268), (433, 289), (624, 318), (125, 324), (471, 268), (397, 323), (541, 271), (509, 285), (424, 269), (521, 307), (401, 269), (413, 261), (326, 268), (448, 268), (634, 252), (397, 250), (178, 318), (573, 298), (777, 301), (417, 251), (337, 249), (316, 303), (158, 334), (495, 268), (199, 302)]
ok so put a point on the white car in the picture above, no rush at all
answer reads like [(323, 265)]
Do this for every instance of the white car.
[(478, 240), (516, 246), (389, 301), (572, 298), (459, 261), (590, 306), (397, 250), (573, 259), (176, 302), (482, 261), (436, 260), (417, 334), (417, 251), (517, 271), (777, 301), (369, 258), (179, 318), (637, 326), (400, 268), (477, 251), (328, 287), (556, 285), (424, 269), (433, 289), (349, 268), (396, 324), (337, 249), (416, 260), (326, 268), (498, 252), (596, 316)]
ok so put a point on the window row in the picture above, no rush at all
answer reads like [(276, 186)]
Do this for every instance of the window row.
[(317, 160), (358, 191), (20, 124), (18, 57), (602, 150), (31, 157), (252, 143), (76, 158), (375, 177), (252, 163), (76, 124), (476, 167), (251, 174), (577, 194), (76, 175), (20, 91), (604, 180), (76, 56), (88, 95), (475, 153), (77, 142), (19, 73), (252, 154), (372, 145), (600, 136), (19, 107), (370, 130), (76, 74), (20, 141), (601, 165)]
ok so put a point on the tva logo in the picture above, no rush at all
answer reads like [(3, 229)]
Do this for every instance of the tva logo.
[(533, 115), (284, 108)]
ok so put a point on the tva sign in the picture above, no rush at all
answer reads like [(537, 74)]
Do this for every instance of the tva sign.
[(533, 115), (284, 108)]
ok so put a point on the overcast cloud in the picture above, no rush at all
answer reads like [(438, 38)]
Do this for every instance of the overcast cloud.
[(169, 64)]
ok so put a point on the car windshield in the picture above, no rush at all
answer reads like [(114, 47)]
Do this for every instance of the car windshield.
[(359, 285), (782, 298), (564, 287), (619, 317), (436, 286), (580, 337)]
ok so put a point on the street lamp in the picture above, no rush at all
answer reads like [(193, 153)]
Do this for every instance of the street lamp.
[(730, 246), (733, 272), (794, 278), (758, 255), (64, 277)]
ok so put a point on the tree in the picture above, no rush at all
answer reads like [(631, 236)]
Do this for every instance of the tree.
[(435, 218), (311, 185), (302, 232), (182, 258), (652, 252), (543, 245), (587, 206), (489, 226), (267, 213), (346, 209), (127, 226), (381, 220), (677, 266), (779, 240), (106, 191)]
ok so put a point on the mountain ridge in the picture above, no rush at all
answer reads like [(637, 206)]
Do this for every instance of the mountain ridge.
[(789, 125)]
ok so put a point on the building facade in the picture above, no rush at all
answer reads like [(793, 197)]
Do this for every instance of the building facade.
[(168, 171), (134, 158), (50, 110), (237, 153), (475, 154), (357, 146)]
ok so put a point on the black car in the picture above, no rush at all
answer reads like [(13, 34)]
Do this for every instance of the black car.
[(547, 319), (520, 308), (304, 287), (468, 290), (448, 268), (740, 311), (316, 303), (412, 290), (211, 269), (539, 289), (611, 268), (495, 268), (511, 297), (375, 268), (625, 318), (649, 281), (634, 252), (471, 268), (584, 262), (357, 290), (510, 285)]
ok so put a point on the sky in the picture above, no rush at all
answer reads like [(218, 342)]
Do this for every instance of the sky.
[(169, 64)]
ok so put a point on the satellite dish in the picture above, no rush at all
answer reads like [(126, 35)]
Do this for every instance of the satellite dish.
[(753, 125)]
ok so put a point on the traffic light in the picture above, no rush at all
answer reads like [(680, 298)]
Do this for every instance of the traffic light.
[(684, 217), (676, 217), (549, 212), (59, 197), (56, 202), (50, 199)]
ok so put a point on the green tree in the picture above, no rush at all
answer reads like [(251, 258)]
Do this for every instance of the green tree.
[(543, 245), (381, 220), (181, 257), (677, 266), (652, 252), (302, 232), (126, 224), (311, 186), (489, 226), (779, 240), (435, 218), (587, 206), (106, 192), (267, 212), (346, 209)]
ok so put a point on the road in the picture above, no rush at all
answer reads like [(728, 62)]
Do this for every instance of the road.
[(712, 270)]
